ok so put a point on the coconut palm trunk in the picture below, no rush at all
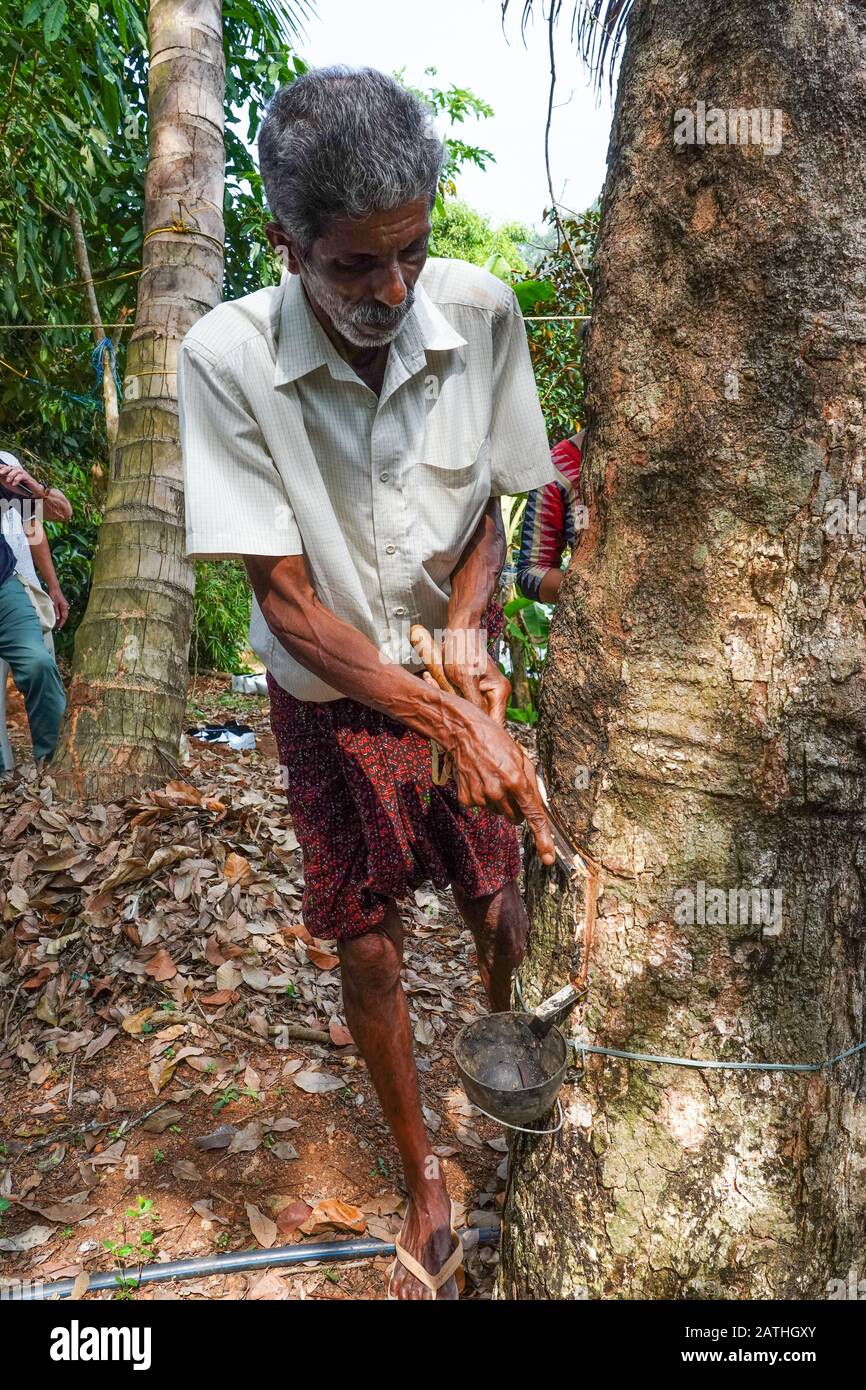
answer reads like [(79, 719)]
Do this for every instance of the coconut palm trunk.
[(707, 666), (128, 690)]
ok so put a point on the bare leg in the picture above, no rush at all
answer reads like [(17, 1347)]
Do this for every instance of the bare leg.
[(378, 1019), (499, 925)]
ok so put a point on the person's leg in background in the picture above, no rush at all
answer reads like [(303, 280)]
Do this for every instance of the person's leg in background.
[(33, 667)]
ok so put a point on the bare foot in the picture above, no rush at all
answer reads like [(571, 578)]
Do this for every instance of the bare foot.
[(426, 1235)]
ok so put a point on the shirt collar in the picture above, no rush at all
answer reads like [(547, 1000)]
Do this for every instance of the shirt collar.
[(303, 345)]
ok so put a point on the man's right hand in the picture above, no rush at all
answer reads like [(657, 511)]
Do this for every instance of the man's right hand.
[(491, 770)]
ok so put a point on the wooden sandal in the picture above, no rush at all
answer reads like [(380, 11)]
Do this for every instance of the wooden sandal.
[(433, 1282)]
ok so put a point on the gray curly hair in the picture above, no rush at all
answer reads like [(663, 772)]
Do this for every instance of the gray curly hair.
[(342, 142)]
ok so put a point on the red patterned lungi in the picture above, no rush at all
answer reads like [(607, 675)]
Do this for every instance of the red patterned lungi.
[(370, 821)]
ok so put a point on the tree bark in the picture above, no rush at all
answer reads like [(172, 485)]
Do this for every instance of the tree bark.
[(708, 666), (128, 689)]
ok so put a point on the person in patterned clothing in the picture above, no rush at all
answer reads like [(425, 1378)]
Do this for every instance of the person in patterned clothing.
[(552, 523), (349, 432)]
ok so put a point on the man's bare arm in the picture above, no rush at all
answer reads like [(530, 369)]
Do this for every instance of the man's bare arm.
[(55, 504), (41, 552), (548, 589), (464, 656), (489, 767), (473, 582)]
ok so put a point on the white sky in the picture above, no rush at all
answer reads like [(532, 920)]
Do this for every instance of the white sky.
[(464, 40)]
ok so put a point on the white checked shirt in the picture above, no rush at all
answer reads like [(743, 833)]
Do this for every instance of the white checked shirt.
[(286, 451)]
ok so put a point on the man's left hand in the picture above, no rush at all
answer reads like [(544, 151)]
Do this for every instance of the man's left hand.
[(61, 606), (472, 671), (496, 689), (14, 477)]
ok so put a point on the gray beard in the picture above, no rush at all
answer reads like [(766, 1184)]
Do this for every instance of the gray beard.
[(381, 323)]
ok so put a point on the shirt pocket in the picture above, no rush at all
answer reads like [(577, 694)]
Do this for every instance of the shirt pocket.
[(454, 467), (454, 488)]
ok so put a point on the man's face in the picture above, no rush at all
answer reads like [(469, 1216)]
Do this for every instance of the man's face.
[(362, 273)]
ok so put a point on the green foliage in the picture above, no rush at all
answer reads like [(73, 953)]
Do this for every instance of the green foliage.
[(466, 235), (73, 546), (454, 103), (533, 295), (222, 615), (527, 630), (559, 285), (73, 127)]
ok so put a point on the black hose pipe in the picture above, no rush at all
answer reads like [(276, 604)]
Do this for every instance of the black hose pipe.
[(231, 1263)]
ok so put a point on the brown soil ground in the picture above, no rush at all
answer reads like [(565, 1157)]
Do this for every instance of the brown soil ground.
[(186, 903)]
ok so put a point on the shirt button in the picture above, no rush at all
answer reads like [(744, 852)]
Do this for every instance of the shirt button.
[(399, 612), (383, 477), (390, 549)]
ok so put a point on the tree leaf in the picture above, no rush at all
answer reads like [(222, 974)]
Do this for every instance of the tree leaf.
[(335, 1215), (285, 1151), (316, 1083), (340, 1035), (264, 1230), (161, 966), (323, 959), (27, 1240)]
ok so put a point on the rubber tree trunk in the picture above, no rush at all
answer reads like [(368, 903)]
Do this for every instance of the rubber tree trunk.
[(708, 667), (128, 689)]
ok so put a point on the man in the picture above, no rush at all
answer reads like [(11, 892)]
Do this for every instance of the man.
[(349, 432), (22, 646), (34, 502), (552, 523)]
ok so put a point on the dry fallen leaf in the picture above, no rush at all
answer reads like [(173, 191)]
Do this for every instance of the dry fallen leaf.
[(269, 1286), (185, 1170), (160, 1072), (220, 996), (264, 1230), (27, 1240), (220, 1138), (134, 1023), (340, 1035), (113, 1154), (316, 1083), (99, 1043), (284, 1151), (71, 1042), (125, 871), (332, 1214), (424, 1033), (67, 1212), (247, 1140), (237, 869), (228, 976), (204, 1209), (161, 966), (291, 1214), (385, 1205), (323, 959), (252, 975), (159, 1123), (213, 953)]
